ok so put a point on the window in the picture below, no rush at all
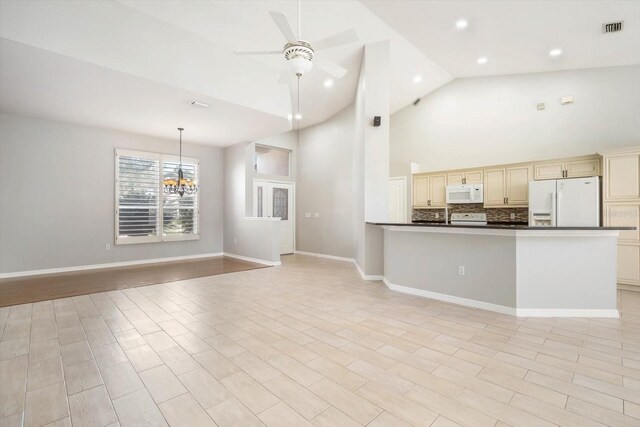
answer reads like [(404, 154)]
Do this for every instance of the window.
[(272, 161), (144, 213)]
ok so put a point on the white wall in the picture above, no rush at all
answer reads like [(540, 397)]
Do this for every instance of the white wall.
[(57, 195), (493, 120), (371, 157), (325, 186)]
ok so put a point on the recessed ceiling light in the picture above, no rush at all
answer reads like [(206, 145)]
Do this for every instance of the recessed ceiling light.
[(482, 60), (417, 79), (555, 52), (461, 24), (328, 83), (298, 116)]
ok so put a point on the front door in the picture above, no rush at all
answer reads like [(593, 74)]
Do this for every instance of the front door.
[(276, 200)]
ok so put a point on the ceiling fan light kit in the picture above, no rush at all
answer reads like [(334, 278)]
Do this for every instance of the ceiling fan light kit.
[(299, 56)]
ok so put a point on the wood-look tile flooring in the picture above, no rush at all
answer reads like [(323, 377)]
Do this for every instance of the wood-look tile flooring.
[(22, 290), (309, 344)]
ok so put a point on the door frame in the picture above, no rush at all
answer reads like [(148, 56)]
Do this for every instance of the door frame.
[(404, 194), (264, 182)]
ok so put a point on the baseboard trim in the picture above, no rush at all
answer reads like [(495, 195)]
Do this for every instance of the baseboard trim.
[(337, 258), (519, 312), (567, 312), (451, 299), (256, 260), (105, 265), (371, 277)]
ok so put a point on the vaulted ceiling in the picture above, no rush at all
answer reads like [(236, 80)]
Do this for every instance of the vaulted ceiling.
[(135, 65)]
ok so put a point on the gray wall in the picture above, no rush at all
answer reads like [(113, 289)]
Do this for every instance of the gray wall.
[(57, 191), (325, 186), (257, 239), (429, 261)]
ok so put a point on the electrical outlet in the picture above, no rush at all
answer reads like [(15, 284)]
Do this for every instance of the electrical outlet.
[(461, 270), (108, 246), (513, 215), (437, 215), (307, 215), (317, 214)]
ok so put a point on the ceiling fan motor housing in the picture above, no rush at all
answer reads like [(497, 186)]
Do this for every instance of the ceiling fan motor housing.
[(299, 56)]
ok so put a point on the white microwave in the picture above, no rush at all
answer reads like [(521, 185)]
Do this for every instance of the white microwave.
[(466, 193)]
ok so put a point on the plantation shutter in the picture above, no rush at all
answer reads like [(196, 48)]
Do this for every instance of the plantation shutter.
[(138, 197)]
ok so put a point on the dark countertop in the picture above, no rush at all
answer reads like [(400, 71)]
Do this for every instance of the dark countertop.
[(494, 226)]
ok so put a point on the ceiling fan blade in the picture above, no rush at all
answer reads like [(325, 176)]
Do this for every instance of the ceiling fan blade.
[(258, 52), (283, 23), (337, 39), (330, 67)]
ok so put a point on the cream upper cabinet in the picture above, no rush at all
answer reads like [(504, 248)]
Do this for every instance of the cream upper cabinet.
[(473, 177), (429, 190), (577, 168), (420, 190), (438, 190), (549, 171), (494, 187), (464, 177), (582, 168), (507, 187), (455, 178), (621, 177), (517, 185)]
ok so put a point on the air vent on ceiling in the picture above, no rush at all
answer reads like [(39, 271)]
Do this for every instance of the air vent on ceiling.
[(612, 27)]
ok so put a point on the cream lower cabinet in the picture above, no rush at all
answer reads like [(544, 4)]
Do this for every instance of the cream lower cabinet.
[(621, 199), (507, 187), (429, 190)]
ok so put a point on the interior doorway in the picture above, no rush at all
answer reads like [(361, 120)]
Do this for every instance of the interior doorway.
[(398, 199), (276, 199)]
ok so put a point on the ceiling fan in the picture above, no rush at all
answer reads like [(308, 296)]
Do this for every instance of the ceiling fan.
[(300, 54)]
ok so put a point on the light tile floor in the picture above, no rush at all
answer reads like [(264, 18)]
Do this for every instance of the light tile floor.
[(309, 344)]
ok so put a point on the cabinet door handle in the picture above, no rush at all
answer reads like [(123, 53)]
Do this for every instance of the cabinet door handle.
[(464, 180), (507, 200), (428, 202)]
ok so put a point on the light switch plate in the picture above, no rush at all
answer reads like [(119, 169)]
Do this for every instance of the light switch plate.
[(307, 214), (317, 214)]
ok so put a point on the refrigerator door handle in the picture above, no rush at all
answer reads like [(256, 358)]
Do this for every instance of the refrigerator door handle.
[(554, 209)]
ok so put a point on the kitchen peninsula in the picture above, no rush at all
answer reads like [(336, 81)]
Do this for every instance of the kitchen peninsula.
[(516, 270)]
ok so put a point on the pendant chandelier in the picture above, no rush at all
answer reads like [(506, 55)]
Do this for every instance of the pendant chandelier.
[(181, 185)]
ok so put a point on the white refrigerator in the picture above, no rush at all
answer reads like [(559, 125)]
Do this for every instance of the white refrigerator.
[(573, 202)]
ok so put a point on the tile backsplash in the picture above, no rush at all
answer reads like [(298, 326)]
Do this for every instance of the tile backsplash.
[(493, 215)]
